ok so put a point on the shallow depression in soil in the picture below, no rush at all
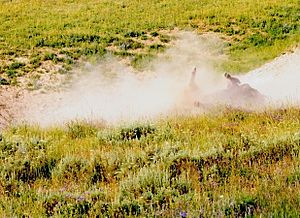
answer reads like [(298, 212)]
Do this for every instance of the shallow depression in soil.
[(113, 92)]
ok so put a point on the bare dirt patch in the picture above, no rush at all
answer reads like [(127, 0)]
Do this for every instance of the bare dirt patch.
[(112, 91)]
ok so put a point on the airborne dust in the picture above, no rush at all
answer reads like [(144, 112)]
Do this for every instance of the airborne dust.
[(113, 92)]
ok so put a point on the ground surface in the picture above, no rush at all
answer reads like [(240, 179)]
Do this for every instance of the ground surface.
[(225, 163)]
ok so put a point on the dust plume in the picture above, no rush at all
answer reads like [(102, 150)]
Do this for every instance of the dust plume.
[(278, 80), (113, 92)]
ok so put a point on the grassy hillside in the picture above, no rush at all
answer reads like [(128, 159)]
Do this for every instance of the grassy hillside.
[(61, 31), (227, 164), (233, 164)]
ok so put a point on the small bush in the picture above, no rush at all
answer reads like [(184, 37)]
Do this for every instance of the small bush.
[(79, 38), (136, 132), (50, 56), (103, 208), (130, 44), (93, 50), (51, 204), (294, 178), (154, 34), (36, 61), (76, 209), (156, 46), (182, 186), (10, 188), (66, 205), (134, 34), (11, 73), (16, 65), (244, 207), (80, 130), (8, 148), (147, 180), (165, 39), (99, 173), (29, 170), (71, 168), (3, 81), (127, 208)]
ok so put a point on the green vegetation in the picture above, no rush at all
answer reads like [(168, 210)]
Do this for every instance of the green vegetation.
[(233, 164), (255, 31)]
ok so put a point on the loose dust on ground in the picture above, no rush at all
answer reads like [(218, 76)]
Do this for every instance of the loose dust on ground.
[(113, 92)]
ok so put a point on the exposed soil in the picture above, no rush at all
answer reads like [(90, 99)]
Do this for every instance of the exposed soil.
[(10, 97), (278, 80)]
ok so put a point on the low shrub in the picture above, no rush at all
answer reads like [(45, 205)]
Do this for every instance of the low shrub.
[(71, 168)]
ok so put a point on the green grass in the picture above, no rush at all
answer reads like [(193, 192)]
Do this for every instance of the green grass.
[(232, 164), (255, 31)]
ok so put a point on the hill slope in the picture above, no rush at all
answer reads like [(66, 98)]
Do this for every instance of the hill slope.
[(36, 34), (224, 163)]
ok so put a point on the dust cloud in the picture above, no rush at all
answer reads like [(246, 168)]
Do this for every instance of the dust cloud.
[(111, 91), (278, 80)]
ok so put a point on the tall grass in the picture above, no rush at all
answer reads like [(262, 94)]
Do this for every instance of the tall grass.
[(233, 164), (230, 164)]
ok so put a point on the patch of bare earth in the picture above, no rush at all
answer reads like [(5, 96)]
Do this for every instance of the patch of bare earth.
[(31, 88), (14, 99), (9, 108)]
